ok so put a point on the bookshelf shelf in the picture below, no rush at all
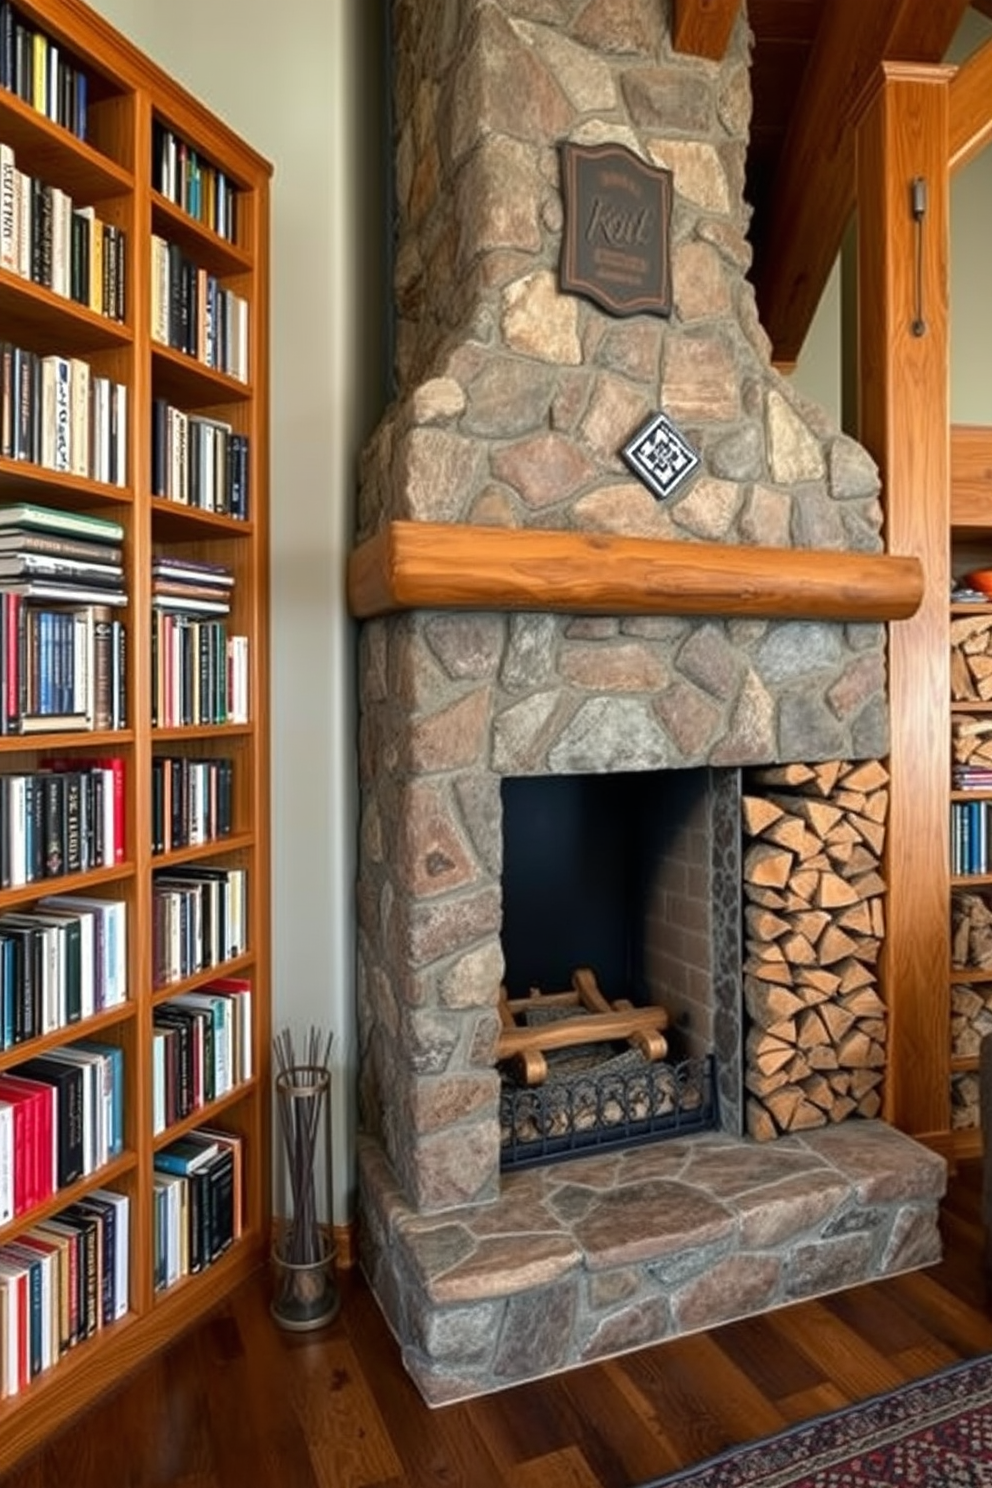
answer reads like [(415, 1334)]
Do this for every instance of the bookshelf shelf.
[(109, 1173), (50, 322), (20, 478), (50, 151), (218, 846), (87, 1028), (207, 247), (235, 967), (209, 1114), (112, 172), (182, 378), (173, 521)]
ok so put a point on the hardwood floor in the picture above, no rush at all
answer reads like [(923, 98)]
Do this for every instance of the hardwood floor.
[(238, 1403)]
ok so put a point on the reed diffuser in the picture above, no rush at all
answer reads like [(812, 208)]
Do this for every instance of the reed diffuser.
[(305, 1294)]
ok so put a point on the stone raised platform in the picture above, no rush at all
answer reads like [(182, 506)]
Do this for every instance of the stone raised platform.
[(601, 1255)]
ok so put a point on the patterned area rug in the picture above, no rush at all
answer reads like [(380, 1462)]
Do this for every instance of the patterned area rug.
[(936, 1433)]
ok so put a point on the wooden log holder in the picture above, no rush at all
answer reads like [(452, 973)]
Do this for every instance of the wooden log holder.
[(596, 1018)]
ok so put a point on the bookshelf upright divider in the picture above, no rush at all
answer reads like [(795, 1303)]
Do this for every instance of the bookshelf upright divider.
[(137, 731)]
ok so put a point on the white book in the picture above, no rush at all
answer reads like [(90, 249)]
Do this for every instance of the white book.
[(8, 210), (25, 224), (56, 413), (160, 290), (100, 429), (6, 1161), (80, 377), (118, 425), (122, 1247), (10, 1285), (111, 930), (237, 679), (16, 788), (158, 1080), (61, 241), (29, 1256)]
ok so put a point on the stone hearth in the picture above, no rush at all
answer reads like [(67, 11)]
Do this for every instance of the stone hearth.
[(600, 1255), (513, 403)]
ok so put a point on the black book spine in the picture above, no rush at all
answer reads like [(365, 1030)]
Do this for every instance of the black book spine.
[(73, 845), (36, 819), (221, 1174), (6, 45), (52, 790)]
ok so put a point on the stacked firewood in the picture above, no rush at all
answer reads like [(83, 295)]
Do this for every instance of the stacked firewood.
[(971, 658), (971, 1015), (814, 923)]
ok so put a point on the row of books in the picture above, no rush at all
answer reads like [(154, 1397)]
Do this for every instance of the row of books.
[(61, 1119), (34, 67), (201, 1048), (46, 238), (60, 963), (197, 1197), (199, 920), (193, 313), (58, 413), (66, 817), (199, 672), (180, 173), (199, 461), (60, 669), (970, 837), (192, 801), (62, 1281)]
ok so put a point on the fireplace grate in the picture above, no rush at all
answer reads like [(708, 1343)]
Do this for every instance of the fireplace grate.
[(623, 1103)]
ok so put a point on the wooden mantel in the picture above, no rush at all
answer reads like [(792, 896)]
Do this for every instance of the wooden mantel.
[(435, 566)]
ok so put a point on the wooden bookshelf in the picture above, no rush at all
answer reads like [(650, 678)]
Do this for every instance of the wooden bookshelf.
[(111, 169), (971, 548)]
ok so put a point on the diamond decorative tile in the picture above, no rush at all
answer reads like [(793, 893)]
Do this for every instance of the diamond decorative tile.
[(661, 457)]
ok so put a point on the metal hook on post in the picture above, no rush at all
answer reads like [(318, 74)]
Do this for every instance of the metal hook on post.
[(918, 325)]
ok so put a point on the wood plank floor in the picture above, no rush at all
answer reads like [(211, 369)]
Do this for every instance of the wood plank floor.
[(238, 1403)]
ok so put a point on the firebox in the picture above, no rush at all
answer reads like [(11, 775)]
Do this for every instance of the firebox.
[(632, 878)]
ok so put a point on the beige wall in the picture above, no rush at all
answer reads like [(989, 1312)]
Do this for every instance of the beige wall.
[(289, 79)]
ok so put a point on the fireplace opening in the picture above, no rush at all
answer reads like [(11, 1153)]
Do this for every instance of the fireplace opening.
[(632, 878)]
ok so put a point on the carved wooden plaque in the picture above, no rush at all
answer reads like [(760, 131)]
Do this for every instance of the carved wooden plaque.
[(616, 243)]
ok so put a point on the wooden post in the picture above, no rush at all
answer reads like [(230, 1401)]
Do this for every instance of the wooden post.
[(902, 138)]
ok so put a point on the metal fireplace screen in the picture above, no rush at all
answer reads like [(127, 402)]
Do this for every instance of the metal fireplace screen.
[(622, 1101)]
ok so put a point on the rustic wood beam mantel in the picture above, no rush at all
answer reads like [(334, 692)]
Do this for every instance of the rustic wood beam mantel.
[(814, 189), (703, 27), (442, 566)]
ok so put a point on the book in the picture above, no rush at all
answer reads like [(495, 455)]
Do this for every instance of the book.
[(68, 1083), (186, 1154), (121, 1204), (37, 518)]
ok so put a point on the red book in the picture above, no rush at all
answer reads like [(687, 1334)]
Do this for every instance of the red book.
[(40, 1132), (23, 1172), (15, 1276), (115, 764)]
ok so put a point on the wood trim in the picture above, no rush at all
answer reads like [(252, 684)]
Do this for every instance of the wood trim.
[(970, 124), (815, 182), (429, 565), (704, 27), (904, 423), (971, 476)]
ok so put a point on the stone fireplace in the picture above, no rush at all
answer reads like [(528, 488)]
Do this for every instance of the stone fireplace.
[(514, 400)]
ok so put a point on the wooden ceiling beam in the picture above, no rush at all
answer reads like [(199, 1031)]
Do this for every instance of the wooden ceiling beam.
[(813, 195), (984, 7), (703, 27), (970, 125)]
